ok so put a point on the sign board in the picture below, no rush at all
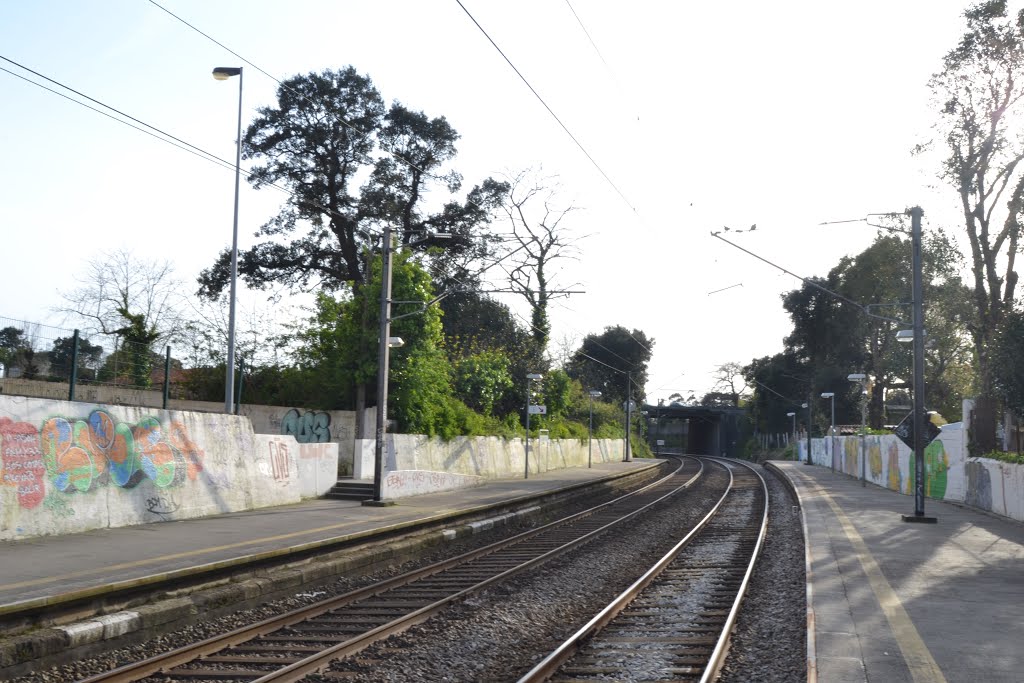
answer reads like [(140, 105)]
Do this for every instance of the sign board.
[(905, 431), (661, 442), (538, 410)]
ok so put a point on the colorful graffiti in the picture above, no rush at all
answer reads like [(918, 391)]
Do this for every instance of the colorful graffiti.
[(311, 427), (936, 465), (895, 475), (279, 462), (875, 458), (21, 462), (80, 455)]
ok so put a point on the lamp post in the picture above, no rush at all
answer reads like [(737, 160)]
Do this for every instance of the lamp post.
[(383, 366), (223, 73), (529, 378), (832, 430), (793, 415), (593, 393), (862, 378), (810, 415)]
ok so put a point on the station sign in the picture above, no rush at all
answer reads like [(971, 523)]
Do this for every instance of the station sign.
[(538, 410), (905, 430)]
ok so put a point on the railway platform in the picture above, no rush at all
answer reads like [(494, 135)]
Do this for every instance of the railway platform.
[(46, 571), (895, 602)]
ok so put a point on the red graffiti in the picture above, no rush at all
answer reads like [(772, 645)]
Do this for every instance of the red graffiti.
[(21, 461)]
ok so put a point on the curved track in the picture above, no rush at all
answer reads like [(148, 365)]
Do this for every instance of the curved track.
[(293, 645), (674, 622)]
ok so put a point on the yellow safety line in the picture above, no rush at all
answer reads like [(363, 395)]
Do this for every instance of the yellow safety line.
[(175, 556), (915, 653)]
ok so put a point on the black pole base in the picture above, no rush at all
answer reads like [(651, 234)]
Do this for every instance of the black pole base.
[(920, 519), (379, 503)]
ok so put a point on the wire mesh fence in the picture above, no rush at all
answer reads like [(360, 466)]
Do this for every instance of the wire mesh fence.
[(55, 362)]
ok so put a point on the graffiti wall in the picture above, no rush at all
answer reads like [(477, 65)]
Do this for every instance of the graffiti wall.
[(489, 457), (949, 475), (70, 467), (406, 483), (316, 463)]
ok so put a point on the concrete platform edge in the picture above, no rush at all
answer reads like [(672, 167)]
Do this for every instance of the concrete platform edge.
[(812, 657)]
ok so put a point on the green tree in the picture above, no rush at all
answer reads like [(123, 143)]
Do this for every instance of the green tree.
[(481, 379), (979, 95), (603, 360), (62, 354), (322, 139), (1008, 371), (13, 344)]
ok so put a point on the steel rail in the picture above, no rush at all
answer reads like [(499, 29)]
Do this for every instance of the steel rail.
[(548, 666), (181, 656)]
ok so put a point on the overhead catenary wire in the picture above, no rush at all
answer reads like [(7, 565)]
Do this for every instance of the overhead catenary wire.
[(550, 110), (811, 283)]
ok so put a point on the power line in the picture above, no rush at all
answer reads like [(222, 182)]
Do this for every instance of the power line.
[(550, 111), (811, 283), (587, 33)]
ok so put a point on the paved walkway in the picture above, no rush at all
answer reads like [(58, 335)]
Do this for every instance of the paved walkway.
[(898, 602), (56, 568)]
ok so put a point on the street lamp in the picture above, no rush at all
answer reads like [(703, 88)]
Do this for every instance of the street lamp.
[(862, 378), (223, 73), (793, 415), (529, 378), (593, 393), (832, 431)]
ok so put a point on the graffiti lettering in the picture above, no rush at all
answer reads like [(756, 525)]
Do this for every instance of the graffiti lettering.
[(158, 505), (81, 455), (21, 462), (279, 461), (312, 427)]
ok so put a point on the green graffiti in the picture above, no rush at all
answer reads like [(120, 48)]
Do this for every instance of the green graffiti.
[(58, 506), (936, 465)]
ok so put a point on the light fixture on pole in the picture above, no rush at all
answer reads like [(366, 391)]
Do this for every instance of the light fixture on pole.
[(593, 393), (832, 430), (529, 407), (793, 415), (862, 378), (223, 73)]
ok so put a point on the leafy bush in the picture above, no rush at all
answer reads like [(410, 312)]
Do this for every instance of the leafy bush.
[(1004, 456)]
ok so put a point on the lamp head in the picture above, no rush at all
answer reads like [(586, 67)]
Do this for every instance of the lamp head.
[(856, 376), (594, 393), (396, 342), (905, 336), (827, 394), (223, 73), (790, 414), (534, 375)]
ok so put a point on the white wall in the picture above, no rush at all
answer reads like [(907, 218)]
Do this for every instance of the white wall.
[(949, 474), (70, 467)]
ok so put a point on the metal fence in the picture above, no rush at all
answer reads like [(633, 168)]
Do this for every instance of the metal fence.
[(54, 362)]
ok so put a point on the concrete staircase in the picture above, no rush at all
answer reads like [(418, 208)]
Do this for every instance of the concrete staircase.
[(351, 489)]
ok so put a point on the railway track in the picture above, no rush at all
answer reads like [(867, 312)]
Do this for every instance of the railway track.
[(674, 622), (293, 645)]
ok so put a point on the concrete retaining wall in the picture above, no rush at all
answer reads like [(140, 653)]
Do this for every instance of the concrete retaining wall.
[(487, 457), (307, 426), (317, 463), (70, 467), (949, 474), (407, 483)]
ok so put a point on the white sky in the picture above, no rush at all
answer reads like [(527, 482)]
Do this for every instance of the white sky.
[(783, 114)]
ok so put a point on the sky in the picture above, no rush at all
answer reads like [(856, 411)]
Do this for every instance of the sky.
[(782, 115)]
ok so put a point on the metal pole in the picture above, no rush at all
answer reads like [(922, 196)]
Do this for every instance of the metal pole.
[(526, 469), (629, 409), (918, 419), (383, 363), (167, 376), (810, 412), (833, 432), (590, 435), (74, 366), (229, 383), (241, 383), (863, 432)]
